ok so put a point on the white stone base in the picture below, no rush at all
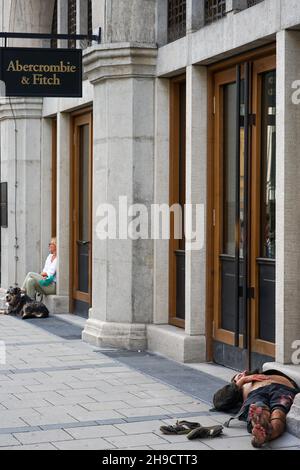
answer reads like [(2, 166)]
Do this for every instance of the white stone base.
[(56, 304), (174, 343), (131, 336), (293, 418)]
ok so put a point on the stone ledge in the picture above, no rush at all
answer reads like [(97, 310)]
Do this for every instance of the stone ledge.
[(293, 418), (131, 336), (174, 343), (56, 303)]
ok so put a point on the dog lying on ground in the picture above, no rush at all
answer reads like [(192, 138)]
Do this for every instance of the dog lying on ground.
[(21, 304)]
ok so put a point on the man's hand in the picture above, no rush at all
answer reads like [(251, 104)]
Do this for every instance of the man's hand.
[(44, 274)]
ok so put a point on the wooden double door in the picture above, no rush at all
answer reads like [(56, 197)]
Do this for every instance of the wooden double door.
[(81, 212), (243, 195)]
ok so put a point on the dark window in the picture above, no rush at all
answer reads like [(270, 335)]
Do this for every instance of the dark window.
[(251, 3), (214, 10), (72, 22), (54, 26), (3, 205), (268, 180), (176, 19), (90, 18)]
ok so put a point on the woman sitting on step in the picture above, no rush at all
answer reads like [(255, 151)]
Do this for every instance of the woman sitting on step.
[(44, 283)]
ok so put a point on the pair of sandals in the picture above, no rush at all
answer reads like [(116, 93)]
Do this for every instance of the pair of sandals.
[(192, 430)]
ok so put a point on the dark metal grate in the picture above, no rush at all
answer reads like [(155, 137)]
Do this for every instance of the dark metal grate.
[(176, 19), (214, 10), (3, 205), (54, 26), (251, 3), (90, 20), (72, 22)]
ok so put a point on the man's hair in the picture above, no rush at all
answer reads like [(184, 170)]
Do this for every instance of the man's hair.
[(228, 398)]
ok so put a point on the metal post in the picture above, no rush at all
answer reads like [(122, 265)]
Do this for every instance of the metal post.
[(246, 207), (238, 208)]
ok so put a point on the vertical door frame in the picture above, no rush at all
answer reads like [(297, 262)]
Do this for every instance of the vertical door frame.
[(259, 66), (78, 119), (54, 178), (174, 192)]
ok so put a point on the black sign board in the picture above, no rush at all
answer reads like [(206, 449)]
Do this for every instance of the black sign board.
[(41, 72)]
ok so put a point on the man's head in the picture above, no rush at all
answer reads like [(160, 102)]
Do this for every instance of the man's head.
[(228, 398), (239, 376)]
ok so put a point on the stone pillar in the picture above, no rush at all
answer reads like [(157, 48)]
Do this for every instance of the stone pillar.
[(234, 6), (21, 168), (62, 21), (196, 188), (195, 15), (60, 304), (161, 22), (287, 195), (46, 193), (124, 85)]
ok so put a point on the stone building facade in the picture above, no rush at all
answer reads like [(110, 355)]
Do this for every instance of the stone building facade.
[(184, 101)]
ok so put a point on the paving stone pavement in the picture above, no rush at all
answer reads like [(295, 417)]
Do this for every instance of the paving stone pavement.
[(57, 392)]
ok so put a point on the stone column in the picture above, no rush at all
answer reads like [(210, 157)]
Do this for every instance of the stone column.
[(60, 303), (21, 136), (195, 15), (161, 22), (196, 188), (287, 195), (46, 193), (123, 76)]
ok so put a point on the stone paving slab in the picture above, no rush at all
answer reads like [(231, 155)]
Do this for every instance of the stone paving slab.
[(57, 392), (39, 437), (32, 447), (84, 444)]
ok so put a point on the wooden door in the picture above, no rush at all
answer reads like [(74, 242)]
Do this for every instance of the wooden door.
[(243, 205)]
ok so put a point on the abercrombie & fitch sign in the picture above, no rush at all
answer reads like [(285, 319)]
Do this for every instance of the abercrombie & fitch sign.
[(42, 72)]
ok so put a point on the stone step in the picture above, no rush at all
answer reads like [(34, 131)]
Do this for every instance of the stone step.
[(2, 299), (293, 418)]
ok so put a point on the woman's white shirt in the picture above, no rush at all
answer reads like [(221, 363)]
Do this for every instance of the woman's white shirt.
[(50, 267)]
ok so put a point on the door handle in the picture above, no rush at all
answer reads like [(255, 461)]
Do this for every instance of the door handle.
[(82, 243)]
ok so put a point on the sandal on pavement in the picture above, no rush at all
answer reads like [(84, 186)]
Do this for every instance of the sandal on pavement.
[(203, 432), (181, 427)]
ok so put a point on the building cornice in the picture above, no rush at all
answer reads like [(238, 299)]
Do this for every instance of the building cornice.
[(21, 108), (120, 60)]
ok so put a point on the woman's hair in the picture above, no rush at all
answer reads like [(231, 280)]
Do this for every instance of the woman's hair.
[(53, 240)]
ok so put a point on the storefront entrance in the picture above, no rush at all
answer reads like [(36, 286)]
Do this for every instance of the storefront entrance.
[(243, 203), (81, 254)]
